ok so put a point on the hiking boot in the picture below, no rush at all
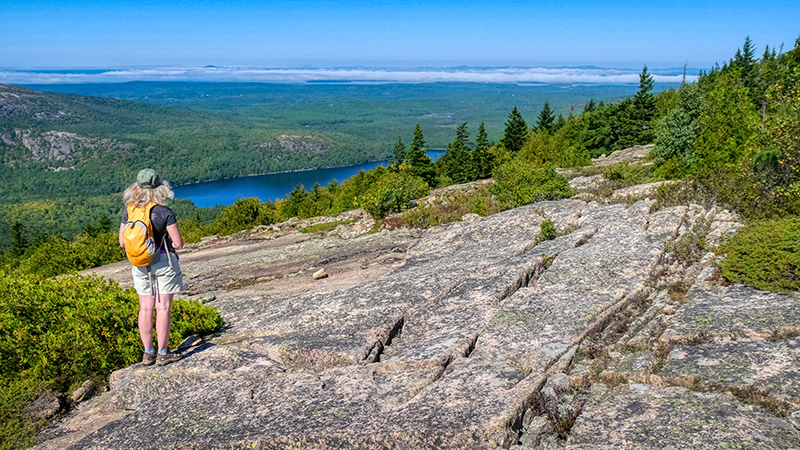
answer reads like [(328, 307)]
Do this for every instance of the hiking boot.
[(148, 359), (163, 360)]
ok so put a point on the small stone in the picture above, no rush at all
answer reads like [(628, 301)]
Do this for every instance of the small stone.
[(359, 227), (208, 298), (540, 425), (191, 341), (320, 274), (44, 407), (469, 217), (795, 419), (528, 417), (560, 383), (84, 392)]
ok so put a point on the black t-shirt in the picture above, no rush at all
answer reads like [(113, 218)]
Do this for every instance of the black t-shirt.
[(161, 217)]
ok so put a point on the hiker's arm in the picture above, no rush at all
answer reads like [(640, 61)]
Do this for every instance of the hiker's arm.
[(175, 235), (121, 231)]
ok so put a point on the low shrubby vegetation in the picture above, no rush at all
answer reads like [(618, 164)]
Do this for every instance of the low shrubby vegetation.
[(56, 333), (518, 183), (765, 254)]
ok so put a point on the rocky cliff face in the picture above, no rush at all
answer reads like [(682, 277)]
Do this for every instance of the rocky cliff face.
[(56, 146), (470, 335)]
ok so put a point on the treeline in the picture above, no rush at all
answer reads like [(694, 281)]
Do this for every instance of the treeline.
[(734, 132)]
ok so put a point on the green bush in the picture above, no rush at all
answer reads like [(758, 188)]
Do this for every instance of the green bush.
[(765, 254), (392, 192), (518, 183), (57, 256), (56, 333), (451, 207), (244, 214), (547, 231), (325, 226)]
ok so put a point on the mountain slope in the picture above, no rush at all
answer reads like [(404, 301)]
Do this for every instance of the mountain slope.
[(473, 335)]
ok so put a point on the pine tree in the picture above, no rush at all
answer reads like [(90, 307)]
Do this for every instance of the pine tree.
[(399, 151), (457, 159), (18, 241), (516, 132), (636, 121), (546, 118), (421, 164), (745, 60), (590, 107), (462, 136), (482, 163)]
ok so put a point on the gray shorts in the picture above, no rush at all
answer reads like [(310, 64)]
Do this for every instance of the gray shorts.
[(166, 279)]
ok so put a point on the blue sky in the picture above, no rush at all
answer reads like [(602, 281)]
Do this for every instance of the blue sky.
[(628, 34)]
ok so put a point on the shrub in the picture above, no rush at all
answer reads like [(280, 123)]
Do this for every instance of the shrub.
[(765, 254), (392, 192), (56, 333), (57, 256), (451, 208), (325, 226), (244, 214), (547, 231), (518, 183)]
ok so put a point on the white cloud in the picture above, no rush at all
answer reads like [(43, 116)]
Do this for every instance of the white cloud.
[(302, 75)]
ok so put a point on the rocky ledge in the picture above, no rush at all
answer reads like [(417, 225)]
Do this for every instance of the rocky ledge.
[(471, 335)]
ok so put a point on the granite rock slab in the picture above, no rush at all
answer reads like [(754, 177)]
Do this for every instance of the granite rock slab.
[(640, 416), (444, 350)]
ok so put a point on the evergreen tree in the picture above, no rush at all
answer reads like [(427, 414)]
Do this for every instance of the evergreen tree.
[(482, 163), (560, 122), (636, 121), (457, 163), (462, 136), (590, 107), (421, 164), (745, 61), (18, 241), (399, 151), (105, 224), (546, 118), (677, 131), (516, 132), (605, 128), (745, 56)]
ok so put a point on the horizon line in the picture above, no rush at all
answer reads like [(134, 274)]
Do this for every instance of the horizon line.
[(345, 74)]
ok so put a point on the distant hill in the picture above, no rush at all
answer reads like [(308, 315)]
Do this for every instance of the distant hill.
[(63, 155), (81, 145)]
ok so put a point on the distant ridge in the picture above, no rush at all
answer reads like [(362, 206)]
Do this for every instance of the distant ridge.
[(467, 74)]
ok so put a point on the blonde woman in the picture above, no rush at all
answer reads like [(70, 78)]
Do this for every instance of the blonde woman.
[(158, 282)]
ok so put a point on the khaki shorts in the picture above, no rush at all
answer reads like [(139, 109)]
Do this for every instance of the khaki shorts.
[(166, 279)]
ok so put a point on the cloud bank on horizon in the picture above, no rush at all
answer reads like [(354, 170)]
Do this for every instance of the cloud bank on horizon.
[(340, 75)]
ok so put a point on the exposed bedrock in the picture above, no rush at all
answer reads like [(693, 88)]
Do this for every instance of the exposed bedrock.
[(471, 335)]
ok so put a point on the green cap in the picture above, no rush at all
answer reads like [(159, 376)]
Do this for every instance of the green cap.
[(148, 179)]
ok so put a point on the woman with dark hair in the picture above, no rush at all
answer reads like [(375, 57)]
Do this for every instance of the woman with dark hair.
[(159, 280)]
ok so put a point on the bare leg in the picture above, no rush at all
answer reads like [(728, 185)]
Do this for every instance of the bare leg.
[(146, 306), (163, 319)]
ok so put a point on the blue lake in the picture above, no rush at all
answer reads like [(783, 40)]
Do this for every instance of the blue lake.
[(272, 186)]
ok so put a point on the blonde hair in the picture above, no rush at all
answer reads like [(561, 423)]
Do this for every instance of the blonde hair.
[(140, 197)]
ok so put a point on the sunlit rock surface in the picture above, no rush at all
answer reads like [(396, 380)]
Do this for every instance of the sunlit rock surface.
[(469, 335)]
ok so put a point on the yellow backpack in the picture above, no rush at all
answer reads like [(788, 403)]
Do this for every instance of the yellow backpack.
[(140, 246)]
